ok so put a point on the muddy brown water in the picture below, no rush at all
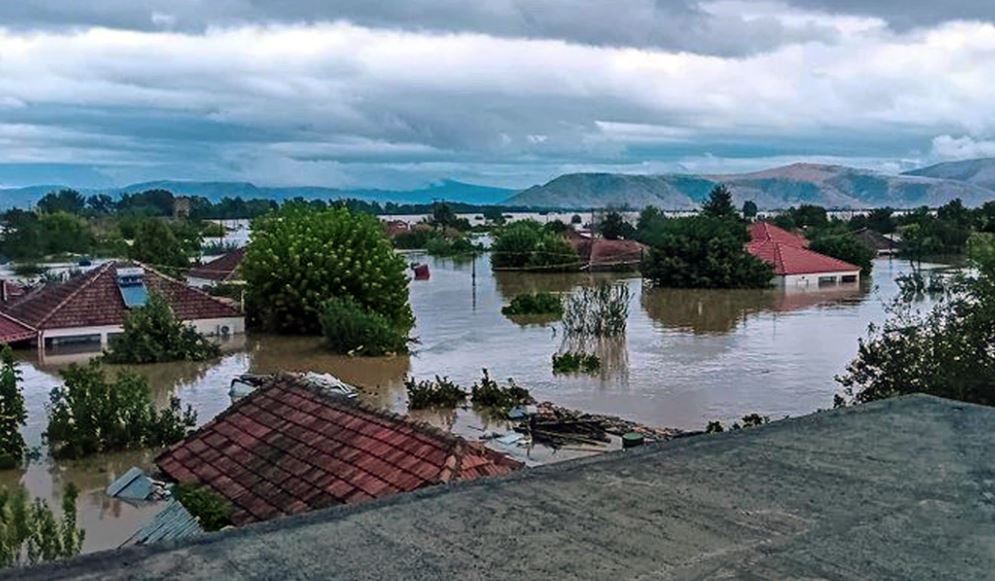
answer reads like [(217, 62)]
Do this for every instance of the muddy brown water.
[(688, 357)]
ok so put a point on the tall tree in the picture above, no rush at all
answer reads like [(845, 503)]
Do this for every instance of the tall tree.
[(750, 209), (613, 226), (719, 203), (69, 201), (13, 414), (156, 245)]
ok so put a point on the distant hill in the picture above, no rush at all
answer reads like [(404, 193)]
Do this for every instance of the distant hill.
[(825, 185), (980, 172), (445, 190)]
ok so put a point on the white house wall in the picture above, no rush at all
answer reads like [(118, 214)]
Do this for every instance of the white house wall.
[(209, 327), (811, 280)]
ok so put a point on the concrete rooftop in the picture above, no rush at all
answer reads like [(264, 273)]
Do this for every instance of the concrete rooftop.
[(899, 489)]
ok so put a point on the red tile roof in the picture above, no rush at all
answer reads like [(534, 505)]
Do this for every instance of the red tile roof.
[(788, 260), (288, 448), (12, 331), (602, 252), (221, 268), (767, 232), (788, 253), (93, 299)]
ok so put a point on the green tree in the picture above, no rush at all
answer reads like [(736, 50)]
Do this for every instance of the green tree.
[(750, 209), (494, 215), (719, 203), (946, 352), (881, 220), (156, 244), (842, 244), (101, 204), (88, 414), (300, 258), (613, 226), (705, 252), (576, 219), (68, 201), (650, 225), (29, 532), (13, 414), (527, 244), (351, 329), (62, 232), (809, 216), (152, 334)]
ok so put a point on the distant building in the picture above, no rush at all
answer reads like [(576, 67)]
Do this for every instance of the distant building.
[(395, 228), (181, 207), (599, 254), (220, 270), (877, 242), (90, 308), (795, 266), (290, 447)]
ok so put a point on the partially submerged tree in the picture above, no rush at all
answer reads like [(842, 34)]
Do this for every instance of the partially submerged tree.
[(152, 334), (527, 245), (13, 414), (719, 203), (300, 258), (613, 226), (750, 209), (704, 252), (88, 414), (599, 311), (351, 329), (945, 352), (838, 242), (157, 245), (30, 533)]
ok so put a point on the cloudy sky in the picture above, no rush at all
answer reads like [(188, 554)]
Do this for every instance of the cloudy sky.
[(399, 93)]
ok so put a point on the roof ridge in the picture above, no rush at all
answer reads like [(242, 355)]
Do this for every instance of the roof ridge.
[(185, 285), (91, 276)]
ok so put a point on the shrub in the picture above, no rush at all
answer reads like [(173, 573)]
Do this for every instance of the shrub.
[(29, 269), (452, 247), (571, 362), (537, 303), (488, 394), (210, 229), (600, 311), (527, 245), (29, 533), (945, 352), (704, 252), (299, 258), (350, 329), (13, 414), (212, 510), (88, 414), (153, 335), (439, 393), (413, 239)]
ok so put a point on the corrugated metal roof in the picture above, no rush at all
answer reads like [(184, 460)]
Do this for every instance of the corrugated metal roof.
[(132, 485), (173, 522)]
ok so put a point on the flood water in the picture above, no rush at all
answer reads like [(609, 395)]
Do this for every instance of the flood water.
[(688, 357)]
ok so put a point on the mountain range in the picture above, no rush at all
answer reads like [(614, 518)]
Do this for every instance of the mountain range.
[(832, 186)]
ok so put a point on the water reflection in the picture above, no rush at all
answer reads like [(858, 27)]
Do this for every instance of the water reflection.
[(722, 311)]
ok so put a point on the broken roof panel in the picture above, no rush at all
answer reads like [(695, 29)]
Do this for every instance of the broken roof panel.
[(289, 447)]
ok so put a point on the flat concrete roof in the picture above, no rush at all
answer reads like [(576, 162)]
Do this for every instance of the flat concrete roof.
[(902, 489)]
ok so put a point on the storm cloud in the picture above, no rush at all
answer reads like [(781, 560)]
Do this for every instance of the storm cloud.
[(508, 92)]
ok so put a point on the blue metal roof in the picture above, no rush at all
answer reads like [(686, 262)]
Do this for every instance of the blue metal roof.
[(132, 485)]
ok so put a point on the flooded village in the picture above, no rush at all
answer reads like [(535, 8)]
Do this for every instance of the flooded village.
[(687, 357)]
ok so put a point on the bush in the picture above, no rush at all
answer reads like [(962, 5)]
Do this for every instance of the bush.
[(153, 335), (88, 414), (416, 239), (210, 229), (441, 393), (571, 362), (29, 533), (212, 510), (13, 413), (527, 245), (704, 252), (29, 269), (299, 258), (488, 394), (600, 311), (946, 352), (538, 303), (452, 247), (350, 329)]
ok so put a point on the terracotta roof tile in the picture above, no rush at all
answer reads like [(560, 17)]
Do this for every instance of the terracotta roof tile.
[(788, 252), (332, 451), (12, 330), (221, 268), (93, 299)]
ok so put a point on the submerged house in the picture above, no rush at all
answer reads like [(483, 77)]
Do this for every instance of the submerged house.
[(89, 309), (223, 269), (795, 266), (291, 447), (600, 254)]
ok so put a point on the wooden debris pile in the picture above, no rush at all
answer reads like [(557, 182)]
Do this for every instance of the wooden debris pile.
[(556, 426)]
